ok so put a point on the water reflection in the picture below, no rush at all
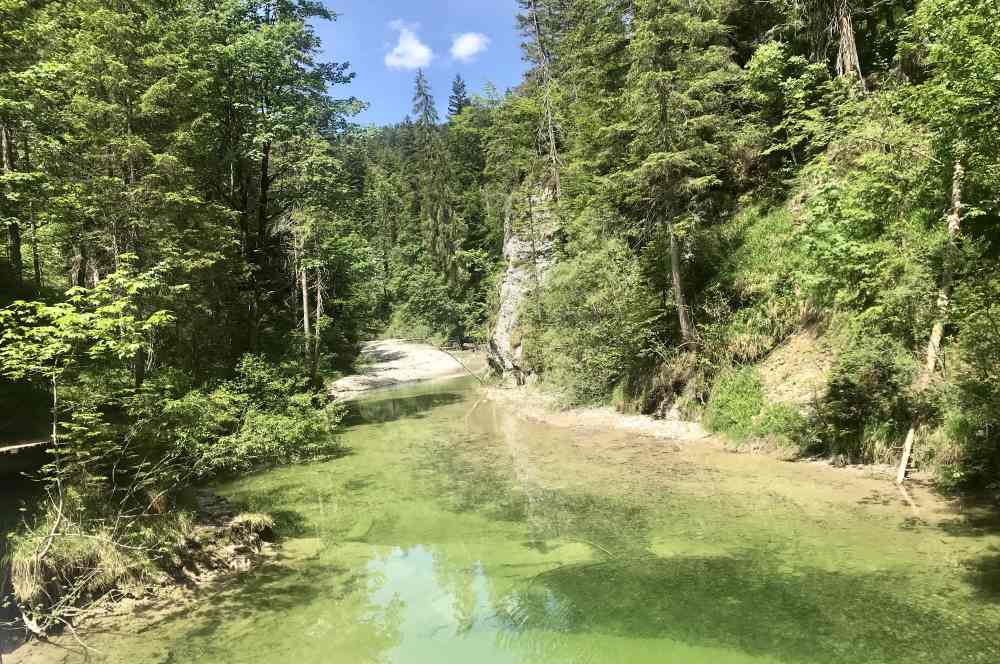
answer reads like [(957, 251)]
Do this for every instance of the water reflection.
[(434, 619), (379, 410)]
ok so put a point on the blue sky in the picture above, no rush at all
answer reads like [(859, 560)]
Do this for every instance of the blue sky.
[(386, 40)]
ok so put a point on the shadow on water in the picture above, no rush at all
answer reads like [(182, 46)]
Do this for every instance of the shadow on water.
[(980, 518), (744, 602), (390, 409), (273, 590)]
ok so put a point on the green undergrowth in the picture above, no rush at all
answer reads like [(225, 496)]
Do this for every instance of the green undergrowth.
[(116, 510), (738, 408)]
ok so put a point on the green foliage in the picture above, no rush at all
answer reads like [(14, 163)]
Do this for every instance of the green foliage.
[(789, 94), (593, 323), (739, 409), (970, 457), (737, 399), (261, 416), (868, 403)]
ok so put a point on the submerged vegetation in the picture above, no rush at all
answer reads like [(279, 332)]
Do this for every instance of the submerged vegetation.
[(197, 236)]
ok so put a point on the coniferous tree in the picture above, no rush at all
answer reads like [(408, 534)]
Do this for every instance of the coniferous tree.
[(459, 98)]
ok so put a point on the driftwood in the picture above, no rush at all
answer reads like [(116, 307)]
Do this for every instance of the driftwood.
[(467, 369)]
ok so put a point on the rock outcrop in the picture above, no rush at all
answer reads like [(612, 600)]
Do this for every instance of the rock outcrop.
[(529, 253)]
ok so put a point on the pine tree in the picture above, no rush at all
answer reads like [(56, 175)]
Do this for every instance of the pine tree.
[(675, 103), (423, 104), (459, 98)]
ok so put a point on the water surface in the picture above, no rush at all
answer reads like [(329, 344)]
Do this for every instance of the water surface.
[(455, 531)]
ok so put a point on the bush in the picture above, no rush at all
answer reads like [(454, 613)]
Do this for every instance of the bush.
[(737, 399), (738, 409), (258, 417), (780, 423), (867, 406), (595, 324)]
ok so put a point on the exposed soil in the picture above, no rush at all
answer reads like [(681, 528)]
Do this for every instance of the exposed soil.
[(796, 372)]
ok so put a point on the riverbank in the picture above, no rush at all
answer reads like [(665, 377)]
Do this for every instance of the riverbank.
[(220, 544), (393, 362), (537, 405)]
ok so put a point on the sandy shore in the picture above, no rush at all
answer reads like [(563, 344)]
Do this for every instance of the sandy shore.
[(533, 404), (395, 362)]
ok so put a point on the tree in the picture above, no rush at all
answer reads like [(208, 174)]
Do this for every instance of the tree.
[(958, 102), (459, 98), (676, 109), (424, 109)]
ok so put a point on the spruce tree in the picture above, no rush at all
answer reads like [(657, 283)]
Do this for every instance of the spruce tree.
[(459, 98), (423, 103)]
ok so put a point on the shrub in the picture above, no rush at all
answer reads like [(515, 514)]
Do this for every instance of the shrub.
[(780, 423), (258, 417), (737, 398), (594, 324), (867, 405)]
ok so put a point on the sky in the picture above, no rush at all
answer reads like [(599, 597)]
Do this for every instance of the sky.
[(386, 41)]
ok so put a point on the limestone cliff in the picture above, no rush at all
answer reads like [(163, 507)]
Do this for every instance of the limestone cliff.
[(529, 253)]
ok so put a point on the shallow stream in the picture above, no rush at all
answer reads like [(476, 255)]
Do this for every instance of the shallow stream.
[(455, 531)]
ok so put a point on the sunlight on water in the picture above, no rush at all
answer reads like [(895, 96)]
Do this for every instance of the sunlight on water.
[(456, 531)]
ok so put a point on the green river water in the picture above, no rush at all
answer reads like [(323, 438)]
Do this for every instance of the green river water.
[(456, 531)]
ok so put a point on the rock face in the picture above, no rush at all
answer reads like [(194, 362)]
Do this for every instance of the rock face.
[(529, 253)]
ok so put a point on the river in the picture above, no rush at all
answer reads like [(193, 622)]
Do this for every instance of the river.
[(455, 531)]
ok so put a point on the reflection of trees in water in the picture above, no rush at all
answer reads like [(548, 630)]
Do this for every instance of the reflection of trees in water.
[(746, 603), (377, 411), (472, 475)]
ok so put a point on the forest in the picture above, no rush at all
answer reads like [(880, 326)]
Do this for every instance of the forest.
[(198, 236)]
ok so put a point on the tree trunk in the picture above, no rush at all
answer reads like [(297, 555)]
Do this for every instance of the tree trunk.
[(306, 320), (943, 305), (35, 260), (263, 192), (141, 358), (314, 373), (683, 314), (848, 61), (550, 124), (14, 228)]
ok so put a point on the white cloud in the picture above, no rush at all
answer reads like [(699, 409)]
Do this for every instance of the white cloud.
[(468, 45), (410, 52)]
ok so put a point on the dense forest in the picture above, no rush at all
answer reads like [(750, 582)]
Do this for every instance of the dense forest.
[(197, 236)]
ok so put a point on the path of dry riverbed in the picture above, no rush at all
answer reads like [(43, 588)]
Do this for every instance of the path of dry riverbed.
[(392, 362)]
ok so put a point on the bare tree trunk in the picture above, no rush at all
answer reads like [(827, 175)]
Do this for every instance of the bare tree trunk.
[(35, 260), (550, 123), (306, 320), (683, 313), (33, 223), (314, 373), (943, 305), (848, 61), (264, 187), (141, 359), (14, 228)]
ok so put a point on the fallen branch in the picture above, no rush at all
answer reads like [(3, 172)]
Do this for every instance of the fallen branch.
[(481, 381)]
